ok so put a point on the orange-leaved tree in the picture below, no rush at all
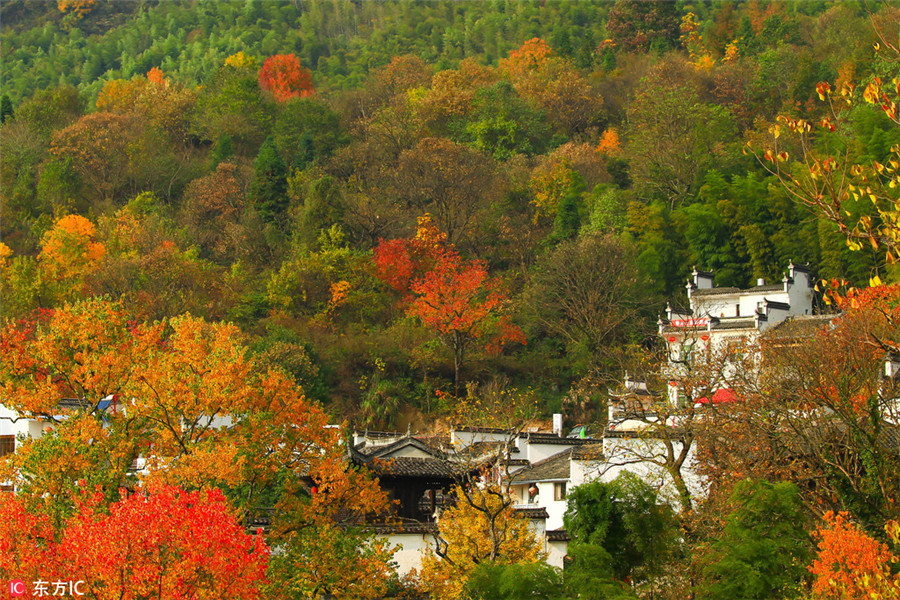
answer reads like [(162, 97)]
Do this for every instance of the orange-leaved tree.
[(188, 400), (851, 565), (571, 101), (285, 78), (98, 145), (165, 544), (451, 296), (188, 389)]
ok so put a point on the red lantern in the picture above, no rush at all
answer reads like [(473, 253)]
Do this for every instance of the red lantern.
[(672, 338), (704, 337)]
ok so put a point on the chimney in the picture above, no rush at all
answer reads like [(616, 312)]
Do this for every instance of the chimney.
[(760, 281)]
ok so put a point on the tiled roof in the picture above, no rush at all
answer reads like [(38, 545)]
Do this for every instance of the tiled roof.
[(402, 443), (558, 466), (558, 535), (552, 438), (480, 451), (714, 291), (735, 324), (530, 512), (75, 404), (398, 528), (781, 305), (734, 290), (555, 468), (482, 430), (774, 287), (588, 452), (404, 466), (799, 327)]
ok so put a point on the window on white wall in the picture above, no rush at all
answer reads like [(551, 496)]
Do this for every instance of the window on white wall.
[(559, 491), (7, 445)]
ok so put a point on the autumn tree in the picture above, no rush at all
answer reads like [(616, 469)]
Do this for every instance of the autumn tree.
[(818, 412), (450, 181), (98, 146), (186, 398), (568, 98), (852, 565), (401, 262), (163, 544), (77, 7), (285, 78), (70, 250), (453, 297), (213, 207), (639, 25), (210, 415), (468, 537), (817, 163), (152, 272), (452, 93)]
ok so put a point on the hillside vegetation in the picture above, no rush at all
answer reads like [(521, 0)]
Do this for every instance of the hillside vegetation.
[(574, 160)]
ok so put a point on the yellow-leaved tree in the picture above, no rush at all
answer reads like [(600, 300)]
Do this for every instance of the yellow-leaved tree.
[(481, 528), (69, 249)]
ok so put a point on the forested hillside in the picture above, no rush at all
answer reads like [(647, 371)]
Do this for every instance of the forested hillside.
[(397, 200)]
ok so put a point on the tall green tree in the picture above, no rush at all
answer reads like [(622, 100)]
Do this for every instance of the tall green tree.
[(621, 527), (268, 190), (763, 551)]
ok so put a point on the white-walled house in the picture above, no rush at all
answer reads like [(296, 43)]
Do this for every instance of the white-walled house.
[(719, 318), (14, 426)]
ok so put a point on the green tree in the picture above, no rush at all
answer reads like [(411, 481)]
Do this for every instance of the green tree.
[(620, 527), (493, 581), (503, 124), (764, 549), (307, 130), (268, 190), (6, 108)]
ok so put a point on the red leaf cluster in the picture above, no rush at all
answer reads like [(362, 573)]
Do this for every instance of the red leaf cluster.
[(167, 544), (285, 78), (454, 297)]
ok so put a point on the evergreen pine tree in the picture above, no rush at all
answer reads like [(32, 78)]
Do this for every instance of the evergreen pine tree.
[(269, 187), (6, 108)]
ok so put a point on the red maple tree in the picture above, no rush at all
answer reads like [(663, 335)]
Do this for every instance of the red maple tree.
[(453, 297), (165, 544), (283, 75)]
